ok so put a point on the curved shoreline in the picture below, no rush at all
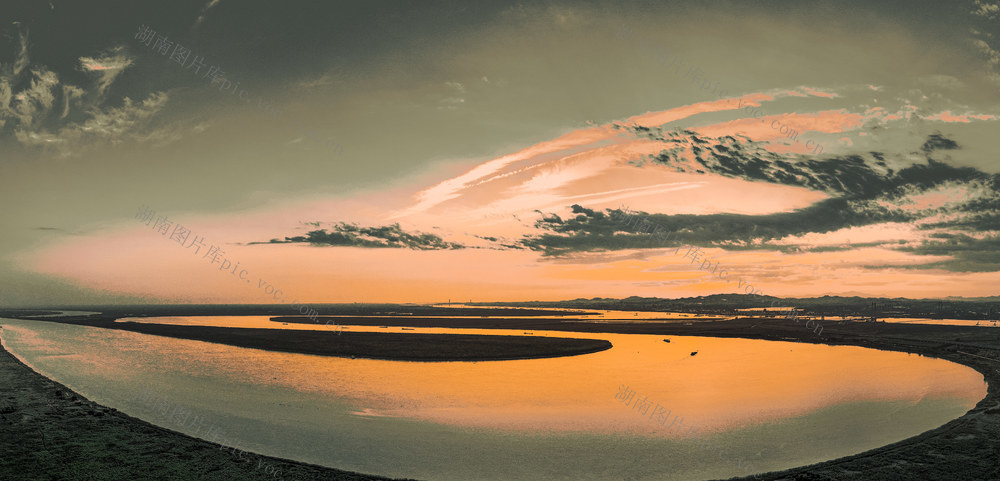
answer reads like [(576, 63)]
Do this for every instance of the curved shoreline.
[(965, 448), (962, 449), (48, 431)]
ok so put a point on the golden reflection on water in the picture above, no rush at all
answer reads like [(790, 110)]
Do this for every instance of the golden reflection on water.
[(729, 382)]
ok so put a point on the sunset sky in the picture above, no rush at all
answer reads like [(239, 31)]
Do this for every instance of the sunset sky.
[(421, 151)]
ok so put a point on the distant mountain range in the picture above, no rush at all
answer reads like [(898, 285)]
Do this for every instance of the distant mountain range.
[(950, 308)]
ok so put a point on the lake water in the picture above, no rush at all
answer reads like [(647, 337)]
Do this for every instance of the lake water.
[(772, 405), (940, 322)]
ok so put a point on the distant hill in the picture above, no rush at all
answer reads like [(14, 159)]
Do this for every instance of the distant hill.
[(950, 308)]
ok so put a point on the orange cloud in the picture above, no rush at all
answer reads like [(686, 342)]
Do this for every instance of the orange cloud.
[(947, 116)]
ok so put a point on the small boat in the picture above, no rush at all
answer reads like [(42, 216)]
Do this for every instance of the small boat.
[(407, 328), (666, 340), (693, 353)]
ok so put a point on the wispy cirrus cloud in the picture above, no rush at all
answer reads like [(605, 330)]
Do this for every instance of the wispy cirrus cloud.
[(113, 125), (456, 96), (204, 12), (986, 9), (30, 105), (321, 81), (41, 111), (107, 66), (984, 41)]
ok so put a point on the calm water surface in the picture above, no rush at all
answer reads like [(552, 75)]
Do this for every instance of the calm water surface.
[(772, 405)]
